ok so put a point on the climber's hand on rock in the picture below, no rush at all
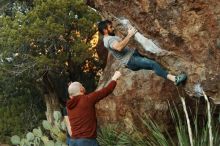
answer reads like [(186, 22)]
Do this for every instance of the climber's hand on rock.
[(131, 30), (129, 25), (116, 75)]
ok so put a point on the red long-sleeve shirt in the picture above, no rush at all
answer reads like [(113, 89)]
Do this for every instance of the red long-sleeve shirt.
[(81, 112)]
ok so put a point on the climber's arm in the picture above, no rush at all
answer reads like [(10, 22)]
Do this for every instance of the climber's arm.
[(120, 45)]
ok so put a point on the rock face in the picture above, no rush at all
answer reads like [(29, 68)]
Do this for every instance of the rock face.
[(190, 30)]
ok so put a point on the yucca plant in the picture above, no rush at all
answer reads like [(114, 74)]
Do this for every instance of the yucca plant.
[(199, 127), (181, 127), (155, 135), (110, 135)]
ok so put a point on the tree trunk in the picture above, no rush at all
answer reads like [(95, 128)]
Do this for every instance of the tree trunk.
[(52, 104), (50, 97)]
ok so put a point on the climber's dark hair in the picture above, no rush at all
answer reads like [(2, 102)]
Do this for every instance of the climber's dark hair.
[(103, 25)]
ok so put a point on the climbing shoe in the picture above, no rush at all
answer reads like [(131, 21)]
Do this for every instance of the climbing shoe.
[(180, 78)]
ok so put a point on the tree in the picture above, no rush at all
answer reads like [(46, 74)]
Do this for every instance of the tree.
[(45, 45)]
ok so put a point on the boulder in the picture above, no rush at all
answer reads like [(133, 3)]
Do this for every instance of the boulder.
[(189, 30)]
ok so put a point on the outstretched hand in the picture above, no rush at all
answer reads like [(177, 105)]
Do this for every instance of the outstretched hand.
[(116, 75)]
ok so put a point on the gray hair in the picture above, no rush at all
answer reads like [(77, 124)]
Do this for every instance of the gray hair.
[(74, 88)]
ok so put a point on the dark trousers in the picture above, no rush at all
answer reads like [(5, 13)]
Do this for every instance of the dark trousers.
[(83, 142), (138, 62)]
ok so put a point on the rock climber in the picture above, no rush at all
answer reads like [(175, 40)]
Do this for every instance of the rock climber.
[(130, 57)]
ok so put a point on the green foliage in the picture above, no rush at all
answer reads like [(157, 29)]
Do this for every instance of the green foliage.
[(38, 38), (19, 103), (15, 140), (14, 112), (112, 135), (57, 116), (56, 130), (47, 125), (108, 135), (30, 136), (49, 143), (38, 138), (37, 132), (49, 37), (49, 33), (156, 137)]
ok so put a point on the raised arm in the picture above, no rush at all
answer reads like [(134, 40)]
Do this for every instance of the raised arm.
[(98, 95), (120, 45)]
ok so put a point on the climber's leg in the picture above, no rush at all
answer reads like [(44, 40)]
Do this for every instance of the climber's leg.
[(171, 77), (138, 62)]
